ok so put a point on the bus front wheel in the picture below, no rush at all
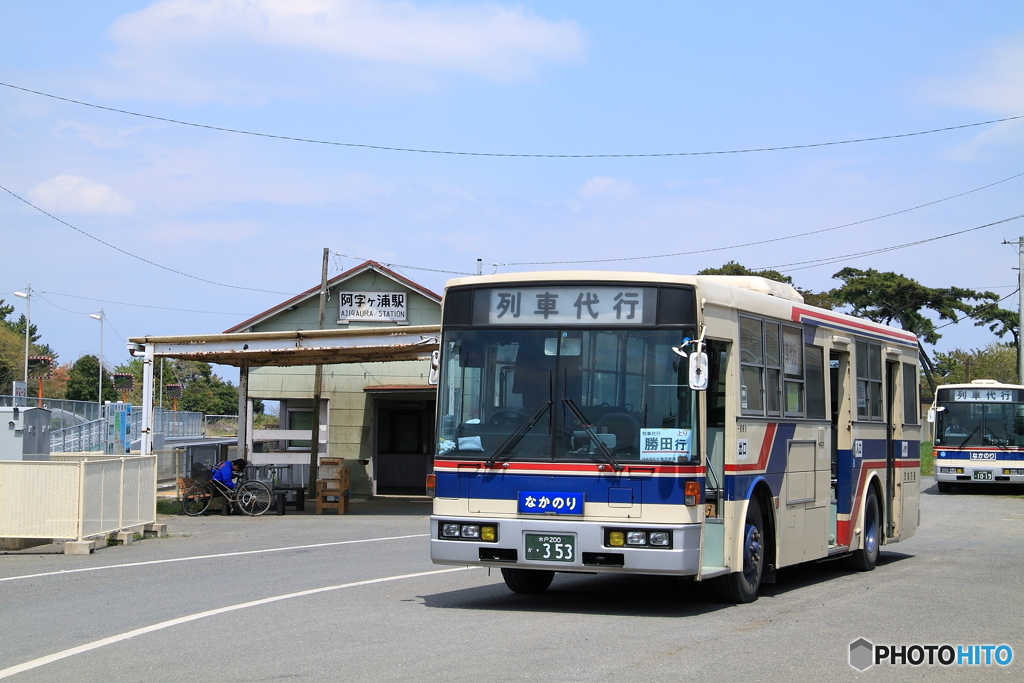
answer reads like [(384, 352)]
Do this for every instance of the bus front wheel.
[(742, 586), (527, 580), (944, 486)]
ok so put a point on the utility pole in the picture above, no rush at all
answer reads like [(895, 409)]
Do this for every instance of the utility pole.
[(318, 375), (1020, 308)]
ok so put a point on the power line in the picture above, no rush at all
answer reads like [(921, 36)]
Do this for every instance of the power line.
[(398, 265), (159, 308), (835, 259), (385, 148), (134, 256), (980, 309), (765, 241)]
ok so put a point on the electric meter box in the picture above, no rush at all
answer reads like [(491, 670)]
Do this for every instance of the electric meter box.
[(24, 433)]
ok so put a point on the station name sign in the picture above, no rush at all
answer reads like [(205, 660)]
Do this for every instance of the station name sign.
[(372, 307)]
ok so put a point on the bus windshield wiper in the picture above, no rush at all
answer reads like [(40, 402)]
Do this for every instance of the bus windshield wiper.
[(518, 434), (973, 432), (602, 449)]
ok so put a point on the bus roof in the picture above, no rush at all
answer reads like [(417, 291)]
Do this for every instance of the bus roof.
[(740, 292)]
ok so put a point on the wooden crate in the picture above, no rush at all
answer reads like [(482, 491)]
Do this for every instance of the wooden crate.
[(329, 496), (331, 468)]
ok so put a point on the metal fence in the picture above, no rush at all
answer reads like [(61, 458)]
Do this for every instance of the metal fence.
[(91, 436), (76, 497)]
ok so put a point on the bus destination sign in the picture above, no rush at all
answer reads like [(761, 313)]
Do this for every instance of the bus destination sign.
[(583, 305), (980, 395)]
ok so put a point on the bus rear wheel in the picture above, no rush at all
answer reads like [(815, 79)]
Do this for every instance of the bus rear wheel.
[(742, 586), (527, 580), (864, 560)]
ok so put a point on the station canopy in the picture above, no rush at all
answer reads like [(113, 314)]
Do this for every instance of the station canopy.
[(299, 347)]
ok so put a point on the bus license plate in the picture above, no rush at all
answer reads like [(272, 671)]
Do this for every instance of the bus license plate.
[(982, 475), (551, 547)]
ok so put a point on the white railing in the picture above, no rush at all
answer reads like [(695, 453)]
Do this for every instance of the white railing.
[(75, 496)]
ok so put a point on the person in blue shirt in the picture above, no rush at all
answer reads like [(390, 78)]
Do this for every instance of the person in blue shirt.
[(224, 472)]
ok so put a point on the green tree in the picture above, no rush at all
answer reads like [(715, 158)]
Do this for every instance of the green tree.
[(83, 379), (5, 310), (996, 361), (733, 268), (1000, 321), (12, 356), (888, 297)]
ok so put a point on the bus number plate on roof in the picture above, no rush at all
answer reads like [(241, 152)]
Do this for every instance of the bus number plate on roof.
[(549, 503)]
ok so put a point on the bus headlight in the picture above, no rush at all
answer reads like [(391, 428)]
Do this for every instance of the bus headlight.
[(660, 538), (468, 532), (636, 538)]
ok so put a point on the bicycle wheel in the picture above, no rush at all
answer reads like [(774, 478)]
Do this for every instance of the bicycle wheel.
[(196, 499), (253, 498)]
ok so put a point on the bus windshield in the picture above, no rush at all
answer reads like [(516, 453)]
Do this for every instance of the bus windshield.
[(616, 395), (961, 423)]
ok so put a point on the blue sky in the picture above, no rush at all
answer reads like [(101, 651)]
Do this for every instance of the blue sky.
[(572, 77)]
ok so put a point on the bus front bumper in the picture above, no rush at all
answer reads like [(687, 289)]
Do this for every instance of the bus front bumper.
[(589, 553), (980, 472)]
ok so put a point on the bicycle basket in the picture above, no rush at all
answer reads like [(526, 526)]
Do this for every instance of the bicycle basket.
[(201, 473)]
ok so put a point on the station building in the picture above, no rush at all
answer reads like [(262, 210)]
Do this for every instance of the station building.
[(377, 415)]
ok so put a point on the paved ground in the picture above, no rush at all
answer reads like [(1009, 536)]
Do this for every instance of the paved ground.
[(326, 598)]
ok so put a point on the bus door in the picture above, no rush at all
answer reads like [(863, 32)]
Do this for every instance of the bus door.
[(837, 365), (891, 370)]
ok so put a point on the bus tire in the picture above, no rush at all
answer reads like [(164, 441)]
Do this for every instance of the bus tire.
[(944, 486), (864, 560), (527, 580), (742, 586)]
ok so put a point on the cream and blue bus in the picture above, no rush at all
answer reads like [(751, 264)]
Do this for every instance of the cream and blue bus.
[(979, 434), (709, 427)]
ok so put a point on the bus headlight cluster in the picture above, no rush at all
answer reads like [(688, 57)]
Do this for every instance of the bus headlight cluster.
[(637, 538), (1014, 471), (951, 470), (469, 532)]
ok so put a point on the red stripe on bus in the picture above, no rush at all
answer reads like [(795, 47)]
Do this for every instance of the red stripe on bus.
[(637, 468), (888, 332), (762, 458)]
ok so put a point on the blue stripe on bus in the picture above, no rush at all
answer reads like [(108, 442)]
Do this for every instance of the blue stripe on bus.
[(1001, 456)]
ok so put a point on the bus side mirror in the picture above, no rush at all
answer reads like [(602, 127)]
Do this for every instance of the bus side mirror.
[(931, 414), (698, 371), (435, 367)]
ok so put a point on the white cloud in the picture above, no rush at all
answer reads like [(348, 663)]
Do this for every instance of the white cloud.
[(993, 80), (229, 49), (75, 195), (603, 186)]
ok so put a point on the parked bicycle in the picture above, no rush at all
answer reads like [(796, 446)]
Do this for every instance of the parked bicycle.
[(250, 496)]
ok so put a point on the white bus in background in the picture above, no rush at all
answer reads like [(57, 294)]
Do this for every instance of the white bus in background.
[(710, 427), (979, 434)]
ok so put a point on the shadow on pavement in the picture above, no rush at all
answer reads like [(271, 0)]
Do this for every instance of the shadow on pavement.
[(630, 595)]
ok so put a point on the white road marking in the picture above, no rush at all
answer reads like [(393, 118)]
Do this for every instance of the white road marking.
[(207, 557), (70, 652)]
